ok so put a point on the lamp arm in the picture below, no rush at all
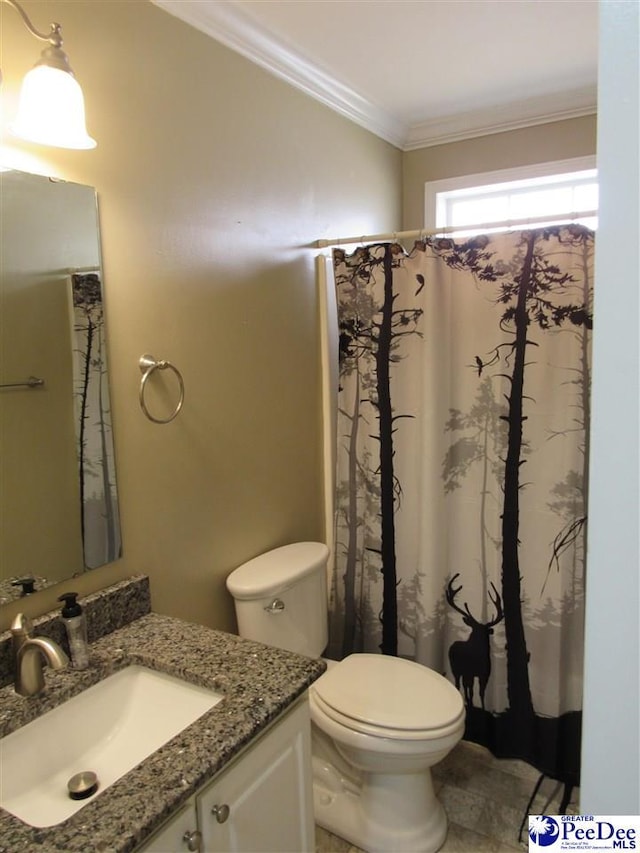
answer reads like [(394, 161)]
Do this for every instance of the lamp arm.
[(54, 36)]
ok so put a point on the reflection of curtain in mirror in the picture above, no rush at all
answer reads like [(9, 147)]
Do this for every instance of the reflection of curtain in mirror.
[(98, 497)]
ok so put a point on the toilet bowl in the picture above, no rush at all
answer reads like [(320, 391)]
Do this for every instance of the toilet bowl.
[(391, 720), (379, 723)]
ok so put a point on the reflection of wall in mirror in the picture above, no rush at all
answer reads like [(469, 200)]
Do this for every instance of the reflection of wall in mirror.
[(42, 237)]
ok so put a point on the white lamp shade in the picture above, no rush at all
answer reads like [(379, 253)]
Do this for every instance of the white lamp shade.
[(51, 110)]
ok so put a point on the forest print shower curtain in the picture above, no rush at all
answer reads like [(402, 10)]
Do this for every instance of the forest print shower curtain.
[(462, 467)]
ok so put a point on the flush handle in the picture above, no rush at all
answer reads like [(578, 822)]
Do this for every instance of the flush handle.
[(192, 840), (276, 606), (221, 813)]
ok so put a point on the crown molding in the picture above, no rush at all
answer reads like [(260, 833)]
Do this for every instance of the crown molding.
[(511, 116), (229, 24)]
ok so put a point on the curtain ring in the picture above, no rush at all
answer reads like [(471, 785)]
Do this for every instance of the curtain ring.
[(148, 364)]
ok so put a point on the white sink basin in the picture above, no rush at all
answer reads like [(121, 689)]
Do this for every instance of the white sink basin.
[(107, 729)]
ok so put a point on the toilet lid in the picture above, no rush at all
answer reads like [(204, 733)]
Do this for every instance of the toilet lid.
[(388, 692)]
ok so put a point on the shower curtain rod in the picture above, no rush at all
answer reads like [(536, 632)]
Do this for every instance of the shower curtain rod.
[(373, 238), (423, 232)]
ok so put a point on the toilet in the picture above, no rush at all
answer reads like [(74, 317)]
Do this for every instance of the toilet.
[(379, 723)]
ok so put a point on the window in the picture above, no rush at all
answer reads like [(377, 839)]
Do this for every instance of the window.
[(549, 193)]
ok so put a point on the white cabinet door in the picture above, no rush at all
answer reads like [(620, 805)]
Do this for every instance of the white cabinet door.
[(263, 803), (179, 835)]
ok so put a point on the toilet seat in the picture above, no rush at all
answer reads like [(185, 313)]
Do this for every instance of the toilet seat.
[(389, 698)]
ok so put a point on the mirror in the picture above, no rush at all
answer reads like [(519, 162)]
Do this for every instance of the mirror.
[(58, 497)]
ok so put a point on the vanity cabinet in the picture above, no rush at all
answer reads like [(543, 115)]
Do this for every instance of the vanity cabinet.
[(261, 803), (178, 834)]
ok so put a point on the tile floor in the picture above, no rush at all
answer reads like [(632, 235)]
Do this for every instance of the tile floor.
[(485, 799)]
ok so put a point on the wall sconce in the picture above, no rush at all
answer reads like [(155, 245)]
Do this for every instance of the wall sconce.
[(51, 105)]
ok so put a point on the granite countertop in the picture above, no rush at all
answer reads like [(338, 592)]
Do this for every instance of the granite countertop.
[(258, 683)]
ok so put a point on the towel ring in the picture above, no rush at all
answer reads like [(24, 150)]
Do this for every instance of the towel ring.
[(148, 364)]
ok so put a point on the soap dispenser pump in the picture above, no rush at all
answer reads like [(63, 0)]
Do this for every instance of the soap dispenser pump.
[(76, 624)]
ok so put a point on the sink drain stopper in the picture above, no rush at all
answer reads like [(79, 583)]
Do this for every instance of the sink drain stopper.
[(82, 785)]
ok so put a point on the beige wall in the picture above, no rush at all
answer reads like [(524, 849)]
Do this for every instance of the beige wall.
[(212, 178), (540, 144)]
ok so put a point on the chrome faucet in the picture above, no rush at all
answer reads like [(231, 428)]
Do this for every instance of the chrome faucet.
[(28, 653)]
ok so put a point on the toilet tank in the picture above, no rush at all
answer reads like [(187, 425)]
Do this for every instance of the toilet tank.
[(281, 598)]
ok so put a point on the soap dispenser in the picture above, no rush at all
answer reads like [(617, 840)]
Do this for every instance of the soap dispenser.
[(76, 624)]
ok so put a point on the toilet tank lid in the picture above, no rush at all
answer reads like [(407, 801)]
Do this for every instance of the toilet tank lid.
[(275, 571)]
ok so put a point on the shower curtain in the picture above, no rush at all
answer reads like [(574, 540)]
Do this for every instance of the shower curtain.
[(461, 475)]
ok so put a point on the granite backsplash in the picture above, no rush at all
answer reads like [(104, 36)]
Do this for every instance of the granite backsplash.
[(106, 611)]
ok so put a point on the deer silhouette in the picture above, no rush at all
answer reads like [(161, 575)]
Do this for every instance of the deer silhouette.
[(471, 658)]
